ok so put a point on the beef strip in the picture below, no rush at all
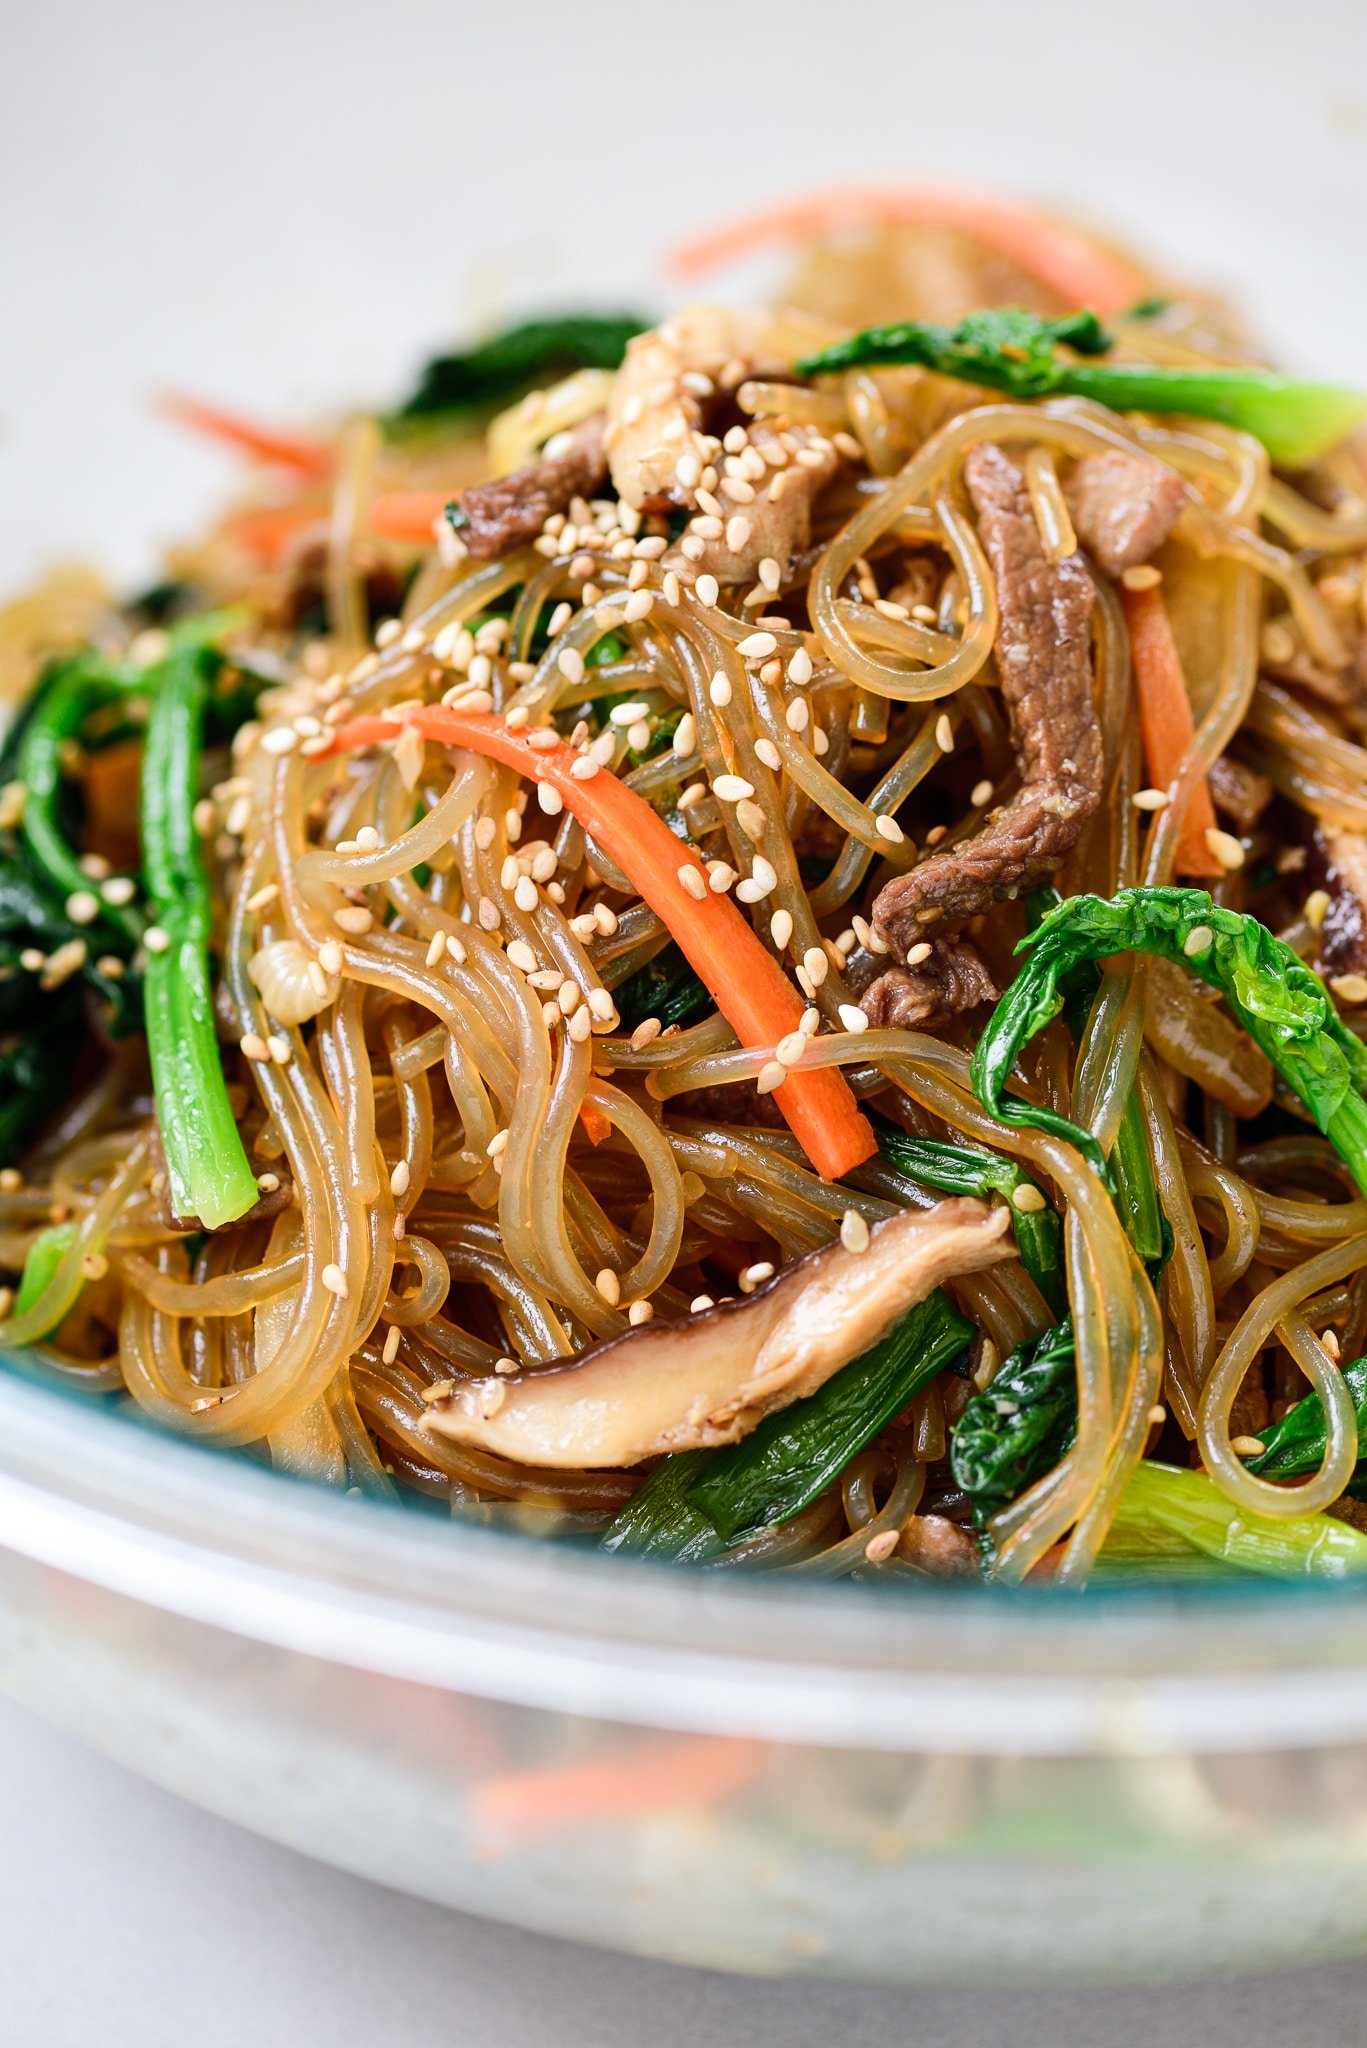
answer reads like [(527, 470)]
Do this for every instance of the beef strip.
[(1338, 865), (509, 511), (1123, 507), (952, 980), (1044, 658), (1240, 794)]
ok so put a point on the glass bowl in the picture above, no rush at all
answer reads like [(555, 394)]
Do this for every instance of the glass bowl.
[(940, 1784)]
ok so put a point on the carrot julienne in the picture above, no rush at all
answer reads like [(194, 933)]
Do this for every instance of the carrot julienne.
[(684, 1771), (745, 980), (408, 515), (299, 452), (1165, 721), (1063, 258)]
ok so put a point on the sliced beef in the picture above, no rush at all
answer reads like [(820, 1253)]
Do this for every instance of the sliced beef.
[(1338, 865), (1044, 656), (1123, 507), (1238, 793), (509, 511), (953, 979), (936, 1545)]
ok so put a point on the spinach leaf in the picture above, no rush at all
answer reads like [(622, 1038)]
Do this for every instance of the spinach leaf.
[(530, 353)]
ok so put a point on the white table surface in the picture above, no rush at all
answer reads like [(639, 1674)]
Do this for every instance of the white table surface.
[(129, 1919), (283, 205)]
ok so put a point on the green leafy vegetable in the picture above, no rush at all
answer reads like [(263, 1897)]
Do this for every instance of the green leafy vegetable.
[(45, 1255), (1284, 1007), (1164, 1504), (75, 689), (667, 988), (1297, 1443), (961, 1170), (782, 1466), (206, 1166), (530, 353), (1015, 352), (1018, 1428)]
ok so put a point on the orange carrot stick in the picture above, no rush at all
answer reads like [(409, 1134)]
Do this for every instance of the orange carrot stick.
[(1165, 721), (263, 444), (408, 515), (745, 981), (685, 1771), (267, 530), (597, 1124), (1078, 270)]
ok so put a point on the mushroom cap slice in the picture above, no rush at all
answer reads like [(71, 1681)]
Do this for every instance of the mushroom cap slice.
[(682, 1386)]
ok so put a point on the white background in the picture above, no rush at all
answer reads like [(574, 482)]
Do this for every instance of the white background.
[(283, 206)]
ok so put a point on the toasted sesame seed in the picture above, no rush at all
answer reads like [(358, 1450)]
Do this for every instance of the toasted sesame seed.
[(570, 663), (816, 964), (755, 1276), (156, 939), (800, 668), (279, 1049), (526, 895), (731, 788), (720, 876), (781, 928), (889, 829), (399, 1179), (82, 906), (121, 889), (281, 739), (1316, 908), (580, 1025), (701, 1303), (550, 799), (1150, 799), (1329, 1339), (922, 950), (262, 897), (521, 956), (738, 530), (719, 690), (771, 1075), (609, 1286), (353, 918), (640, 1312), (646, 1032), (880, 1547), (791, 1048), (944, 733), (1028, 1199), (1247, 1446), (707, 590), (330, 957), (639, 606), (685, 741), (693, 881), (1197, 940), (601, 1004), (435, 948), (852, 1017), (854, 1231), (488, 916), (253, 1046), (758, 646), (1225, 848), (768, 753), (1143, 576)]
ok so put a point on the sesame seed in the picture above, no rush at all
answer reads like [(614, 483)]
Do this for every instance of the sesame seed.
[(693, 882), (82, 906), (1225, 848), (732, 788), (980, 794), (770, 574), (720, 876), (1197, 940), (922, 950), (1150, 799), (1316, 908), (1028, 1199), (771, 1075), (815, 962), (646, 1032), (156, 939), (738, 530), (544, 740), (944, 733), (701, 1303), (389, 1351), (521, 956), (399, 1179), (889, 829), (570, 663), (330, 957), (707, 590), (800, 669), (1329, 1339), (492, 1395), (253, 1046), (639, 605), (768, 753), (497, 1144), (854, 1231), (852, 1017), (580, 1025), (550, 799), (685, 741), (279, 1049), (755, 1276), (781, 928), (791, 1048), (879, 1548), (268, 1183), (567, 994), (436, 947), (1143, 576), (758, 646), (609, 1286), (353, 918), (719, 690), (281, 739), (601, 1005), (121, 889), (1247, 1446), (640, 1312), (262, 897), (751, 819), (526, 895)]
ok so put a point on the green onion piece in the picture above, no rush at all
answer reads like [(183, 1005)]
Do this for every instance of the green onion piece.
[(45, 1255), (1015, 352), (207, 1168), (1164, 1503), (961, 1170), (1284, 1007), (55, 722)]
